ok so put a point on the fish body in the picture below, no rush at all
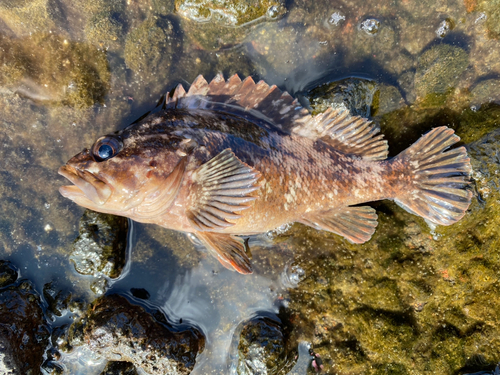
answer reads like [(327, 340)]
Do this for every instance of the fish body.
[(232, 158)]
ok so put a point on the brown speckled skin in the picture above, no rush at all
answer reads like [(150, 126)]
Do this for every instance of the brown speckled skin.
[(299, 176)]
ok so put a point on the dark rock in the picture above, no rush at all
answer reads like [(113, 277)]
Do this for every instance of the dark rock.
[(115, 329), (356, 94), (119, 368), (56, 298), (100, 249), (262, 347), (24, 333), (8, 273)]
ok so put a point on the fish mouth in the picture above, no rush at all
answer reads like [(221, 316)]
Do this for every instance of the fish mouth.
[(86, 187)]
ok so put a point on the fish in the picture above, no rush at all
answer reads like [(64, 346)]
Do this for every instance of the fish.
[(234, 158)]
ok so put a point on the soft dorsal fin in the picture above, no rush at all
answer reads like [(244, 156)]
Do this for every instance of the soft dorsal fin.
[(222, 187), (356, 224), (349, 134)]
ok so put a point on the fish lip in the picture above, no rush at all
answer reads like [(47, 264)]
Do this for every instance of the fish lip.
[(85, 184)]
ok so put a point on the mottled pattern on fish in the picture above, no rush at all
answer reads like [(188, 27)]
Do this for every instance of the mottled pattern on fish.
[(237, 158)]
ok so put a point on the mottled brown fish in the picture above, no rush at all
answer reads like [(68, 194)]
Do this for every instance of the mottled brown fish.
[(234, 158)]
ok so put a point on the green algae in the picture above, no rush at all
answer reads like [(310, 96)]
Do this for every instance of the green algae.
[(28, 16), (49, 68)]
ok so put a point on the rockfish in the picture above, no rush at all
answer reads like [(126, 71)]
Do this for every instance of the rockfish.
[(234, 158)]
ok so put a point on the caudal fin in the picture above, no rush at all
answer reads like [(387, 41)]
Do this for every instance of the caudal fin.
[(439, 178)]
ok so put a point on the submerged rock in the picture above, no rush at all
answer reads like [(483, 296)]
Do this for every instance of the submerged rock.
[(24, 333), (262, 348), (439, 69), (100, 249), (355, 94), (28, 16), (49, 68), (149, 48), (118, 330)]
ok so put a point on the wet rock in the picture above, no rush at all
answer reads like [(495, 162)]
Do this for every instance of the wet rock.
[(262, 348), (100, 249), (439, 70), (24, 333), (47, 67), (149, 47), (355, 94), (118, 330), (210, 25), (119, 368), (228, 12), (8, 273), (57, 298), (103, 29), (388, 99)]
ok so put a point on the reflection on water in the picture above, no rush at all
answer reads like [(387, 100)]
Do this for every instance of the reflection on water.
[(405, 302)]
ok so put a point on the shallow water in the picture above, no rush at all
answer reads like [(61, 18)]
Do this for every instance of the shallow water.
[(71, 73)]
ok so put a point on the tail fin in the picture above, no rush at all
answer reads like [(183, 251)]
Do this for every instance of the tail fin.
[(438, 191)]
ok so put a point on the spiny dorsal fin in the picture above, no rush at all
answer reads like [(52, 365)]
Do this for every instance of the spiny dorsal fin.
[(222, 187), (229, 250), (349, 134), (356, 224)]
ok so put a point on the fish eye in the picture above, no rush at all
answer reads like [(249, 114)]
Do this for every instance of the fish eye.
[(105, 148)]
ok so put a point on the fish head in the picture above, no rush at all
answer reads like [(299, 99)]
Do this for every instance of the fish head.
[(123, 171)]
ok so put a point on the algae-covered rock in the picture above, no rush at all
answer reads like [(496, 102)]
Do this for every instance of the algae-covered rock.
[(47, 67), (228, 12), (356, 94), (24, 332), (486, 91), (261, 347), (100, 248), (119, 368), (29, 16), (114, 327), (8, 273), (439, 70), (149, 47), (492, 10), (212, 25)]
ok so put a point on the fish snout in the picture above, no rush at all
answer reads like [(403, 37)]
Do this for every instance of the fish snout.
[(85, 183)]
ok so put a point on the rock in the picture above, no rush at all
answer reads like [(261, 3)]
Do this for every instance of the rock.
[(439, 70), (57, 298), (29, 16), (119, 368), (262, 348), (492, 10), (486, 91), (24, 332), (149, 47), (8, 273), (228, 12), (118, 330), (355, 94), (27, 68), (100, 249)]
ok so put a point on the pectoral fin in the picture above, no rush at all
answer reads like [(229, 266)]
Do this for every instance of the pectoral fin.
[(222, 189), (229, 250), (356, 224)]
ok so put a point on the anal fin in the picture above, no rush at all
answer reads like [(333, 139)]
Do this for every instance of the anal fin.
[(229, 250), (356, 224)]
